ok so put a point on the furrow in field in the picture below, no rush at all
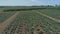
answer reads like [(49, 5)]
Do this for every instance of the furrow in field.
[(17, 29), (23, 27), (28, 27)]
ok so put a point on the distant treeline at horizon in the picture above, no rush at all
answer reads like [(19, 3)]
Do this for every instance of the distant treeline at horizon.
[(23, 8), (31, 6)]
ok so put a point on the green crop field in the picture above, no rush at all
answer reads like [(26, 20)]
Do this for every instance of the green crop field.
[(29, 21), (55, 13), (5, 15)]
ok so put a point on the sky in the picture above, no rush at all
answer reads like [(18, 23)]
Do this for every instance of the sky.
[(28, 2)]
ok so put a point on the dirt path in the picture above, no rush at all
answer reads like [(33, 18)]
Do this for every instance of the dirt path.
[(8, 21), (49, 16), (23, 28)]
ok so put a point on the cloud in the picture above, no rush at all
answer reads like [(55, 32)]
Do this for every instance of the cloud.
[(33, 0)]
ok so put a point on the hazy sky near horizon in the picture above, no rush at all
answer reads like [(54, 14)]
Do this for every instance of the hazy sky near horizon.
[(28, 2)]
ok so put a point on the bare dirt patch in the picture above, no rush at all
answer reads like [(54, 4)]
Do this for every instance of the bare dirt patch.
[(23, 27)]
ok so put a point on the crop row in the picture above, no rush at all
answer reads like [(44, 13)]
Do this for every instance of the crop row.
[(48, 25), (32, 20), (5, 16), (55, 13), (16, 26), (13, 27)]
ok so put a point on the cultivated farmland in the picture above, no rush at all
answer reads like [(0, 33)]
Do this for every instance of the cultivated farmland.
[(5, 15), (30, 22), (55, 13)]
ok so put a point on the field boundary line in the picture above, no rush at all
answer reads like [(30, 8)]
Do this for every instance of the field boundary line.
[(8, 21), (23, 28), (48, 16)]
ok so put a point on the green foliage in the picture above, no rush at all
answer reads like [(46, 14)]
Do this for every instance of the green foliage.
[(51, 12), (5, 16), (32, 19)]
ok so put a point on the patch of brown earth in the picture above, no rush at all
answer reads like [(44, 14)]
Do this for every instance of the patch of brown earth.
[(23, 27)]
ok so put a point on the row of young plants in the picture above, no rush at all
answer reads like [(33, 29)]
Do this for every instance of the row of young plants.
[(5, 16), (32, 19), (48, 25), (14, 27), (55, 13), (29, 23), (24, 16)]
